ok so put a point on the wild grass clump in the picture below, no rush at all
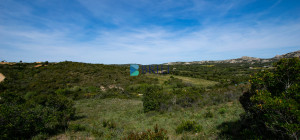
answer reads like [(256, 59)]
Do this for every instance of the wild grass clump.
[(208, 114), (189, 126), (222, 110), (157, 134), (76, 127), (109, 124)]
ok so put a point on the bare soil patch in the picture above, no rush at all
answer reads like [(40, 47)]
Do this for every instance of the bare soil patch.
[(2, 77)]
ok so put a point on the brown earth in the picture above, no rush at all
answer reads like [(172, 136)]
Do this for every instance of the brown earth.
[(2, 77), (9, 63), (39, 65)]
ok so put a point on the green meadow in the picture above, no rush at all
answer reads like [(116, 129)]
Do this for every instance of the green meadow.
[(128, 116)]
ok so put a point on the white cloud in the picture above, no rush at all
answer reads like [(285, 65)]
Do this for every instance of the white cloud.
[(153, 45), (146, 44)]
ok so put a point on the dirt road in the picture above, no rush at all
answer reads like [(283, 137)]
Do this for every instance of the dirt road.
[(2, 77)]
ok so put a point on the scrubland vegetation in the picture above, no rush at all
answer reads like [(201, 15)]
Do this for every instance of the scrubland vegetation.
[(70, 100)]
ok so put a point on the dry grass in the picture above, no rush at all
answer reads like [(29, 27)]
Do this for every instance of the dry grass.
[(194, 81), (207, 65)]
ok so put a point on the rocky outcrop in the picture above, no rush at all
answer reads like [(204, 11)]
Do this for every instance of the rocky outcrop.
[(288, 55), (244, 59)]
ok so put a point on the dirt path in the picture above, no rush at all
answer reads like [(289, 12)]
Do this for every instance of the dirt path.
[(2, 77)]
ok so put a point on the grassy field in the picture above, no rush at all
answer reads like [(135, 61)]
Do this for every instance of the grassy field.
[(128, 116), (193, 81)]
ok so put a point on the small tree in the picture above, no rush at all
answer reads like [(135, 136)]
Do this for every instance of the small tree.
[(153, 98), (274, 99)]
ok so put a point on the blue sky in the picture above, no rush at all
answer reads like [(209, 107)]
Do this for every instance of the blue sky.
[(146, 31)]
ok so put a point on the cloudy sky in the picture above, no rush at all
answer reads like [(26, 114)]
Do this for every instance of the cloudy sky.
[(146, 31)]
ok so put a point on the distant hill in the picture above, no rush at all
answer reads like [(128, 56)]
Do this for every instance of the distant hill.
[(244, 59), (288, 55)]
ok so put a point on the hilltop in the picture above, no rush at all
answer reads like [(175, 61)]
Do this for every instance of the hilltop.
[(243, 59)]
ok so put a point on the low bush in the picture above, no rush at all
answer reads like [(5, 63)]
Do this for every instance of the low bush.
[(174, 82), (189, 126), (157, 134), (109, 124), (186, 97), (208, 114), (154, 98), (222, 110), (76, 127), (23, 119)]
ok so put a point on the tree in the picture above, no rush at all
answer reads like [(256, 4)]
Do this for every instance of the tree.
[(273, 101)]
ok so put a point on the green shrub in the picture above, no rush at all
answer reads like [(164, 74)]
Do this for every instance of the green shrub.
[(157, 134), (63, 92), (47, 114), (69, 92), (274, 100), (40, 136), (76, 127), (109, 124), (222, 110), (186, 97), (153, 98), (208, 114), (189, 126), (174, 82), (29, 95), (97, 132)]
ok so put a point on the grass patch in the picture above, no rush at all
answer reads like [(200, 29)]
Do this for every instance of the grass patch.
[(127, 117), (207, 65), (193, 81)]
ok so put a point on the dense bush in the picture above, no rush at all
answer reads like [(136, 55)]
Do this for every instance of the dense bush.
[(189, 126), (157, 134), (22, 118), (174, 82), (154, 98), (225, 73), (273, 103), (25, 77), (208, 114), (186, 97)]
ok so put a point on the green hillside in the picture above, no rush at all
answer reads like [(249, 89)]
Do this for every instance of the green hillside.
[(71, 100)]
